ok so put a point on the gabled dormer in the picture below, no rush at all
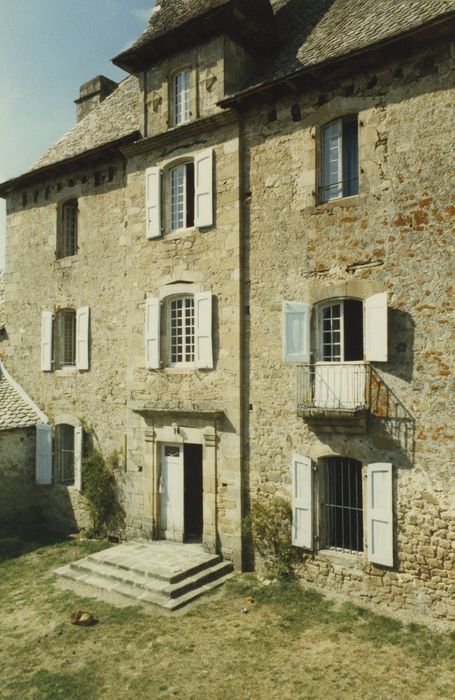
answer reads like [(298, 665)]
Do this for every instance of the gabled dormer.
[(194, 53)]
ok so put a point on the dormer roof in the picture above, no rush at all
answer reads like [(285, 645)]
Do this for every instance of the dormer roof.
[(186, 22)]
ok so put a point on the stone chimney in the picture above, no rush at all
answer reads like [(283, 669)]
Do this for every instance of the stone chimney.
[(92, 93)]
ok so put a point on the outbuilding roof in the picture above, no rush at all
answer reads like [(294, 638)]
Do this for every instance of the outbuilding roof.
[(17, 410)]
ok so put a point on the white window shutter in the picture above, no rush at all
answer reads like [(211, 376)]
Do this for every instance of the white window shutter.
[(302, 502), (82, 337), (380, 514), (203, 189), (203, 330), (332, 164), (296, 331), (78, 436), (152, 333), (46, 341), (43, 463), (376, 328), (153, 202)]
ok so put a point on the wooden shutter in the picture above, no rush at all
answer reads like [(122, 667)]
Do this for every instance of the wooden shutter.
[(203, 330), (43, 463), (78, 437), (152, 333), (380, 514), (153, 202), (376, 328), (82, 337), (203, 189), (302, 502), (296, 331), (332, 165), (46, 341)]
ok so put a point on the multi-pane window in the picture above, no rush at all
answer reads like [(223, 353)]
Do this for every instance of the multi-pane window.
[(182, 196), (67, 244), (341, 331), (339, 159), (343, 504), (65, 338), (181, 97), (181, 335), (65, 453)]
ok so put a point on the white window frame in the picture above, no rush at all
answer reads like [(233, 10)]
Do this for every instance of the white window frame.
[(181, 97), (170, 301), (320, 320), (175, 212), (329, 191)]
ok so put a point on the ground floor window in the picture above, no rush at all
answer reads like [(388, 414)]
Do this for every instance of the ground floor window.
[(343, 504), (65, 453)]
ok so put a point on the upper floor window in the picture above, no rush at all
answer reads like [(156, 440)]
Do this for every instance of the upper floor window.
[(181, 97), (178, 331), (181, 331), (341, 331), (65, 339), (339, 159), (182, 196), (67, 229)]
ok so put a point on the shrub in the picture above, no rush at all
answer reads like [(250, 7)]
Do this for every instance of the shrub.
[(100, 493)]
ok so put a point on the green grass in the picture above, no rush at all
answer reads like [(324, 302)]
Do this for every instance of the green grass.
[(292, 643)]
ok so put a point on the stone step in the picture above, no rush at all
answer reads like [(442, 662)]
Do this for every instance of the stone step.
[(146, 584), (142, 569)]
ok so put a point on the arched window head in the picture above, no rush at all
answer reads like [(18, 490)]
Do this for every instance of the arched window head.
[(67, 229)]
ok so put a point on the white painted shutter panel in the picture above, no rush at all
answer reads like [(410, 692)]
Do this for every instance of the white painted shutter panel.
[(152, 333), (296, 331), (376, 328), (43, 463), (203, 189), (380, 514), (203, 333), (153, 202), (82, 332), (46, 341), (332, 165), (78, 436), (302, 502)]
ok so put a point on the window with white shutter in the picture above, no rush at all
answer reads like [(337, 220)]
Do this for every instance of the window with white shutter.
[(203, 189), (296, 331), (153, 202), (82, 338), (302, 502), (78, 446), (47, 320), (203, 323), (376, 340), (152, 333)]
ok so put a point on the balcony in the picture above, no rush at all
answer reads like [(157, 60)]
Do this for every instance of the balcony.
[(334, 396)]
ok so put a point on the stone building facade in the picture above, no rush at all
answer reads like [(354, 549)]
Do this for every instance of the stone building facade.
[(236, 270)]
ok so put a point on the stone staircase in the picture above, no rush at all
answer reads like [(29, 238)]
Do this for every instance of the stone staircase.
[(167, 574)]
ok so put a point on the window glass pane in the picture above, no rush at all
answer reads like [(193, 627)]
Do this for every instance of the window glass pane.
[(182, 97), (343, 504), (68, 242), (182, 330), (65, 439), (65, 338), (178, 197), (350, 158)]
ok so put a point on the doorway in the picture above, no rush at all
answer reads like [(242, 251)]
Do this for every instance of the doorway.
[(192, 462), (181, 492)]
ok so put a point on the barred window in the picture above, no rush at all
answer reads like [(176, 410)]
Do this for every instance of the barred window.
[(65, 453), (181, 97), (181, 335), (67, 243), (65, 338), (343, 507)]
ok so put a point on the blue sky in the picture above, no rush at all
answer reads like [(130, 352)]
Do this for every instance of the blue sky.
[(48, 48)]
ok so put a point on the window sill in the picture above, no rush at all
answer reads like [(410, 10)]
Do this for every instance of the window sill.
[(179, 233), (343, 202), (345, 560), (66, 261), (65, 372)]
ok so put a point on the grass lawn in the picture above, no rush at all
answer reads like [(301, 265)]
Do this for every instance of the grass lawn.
[(290, 644)]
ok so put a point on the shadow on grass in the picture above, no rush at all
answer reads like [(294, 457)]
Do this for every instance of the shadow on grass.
[(26, 533)]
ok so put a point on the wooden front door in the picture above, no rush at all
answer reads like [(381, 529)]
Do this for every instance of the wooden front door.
[(172, 492)]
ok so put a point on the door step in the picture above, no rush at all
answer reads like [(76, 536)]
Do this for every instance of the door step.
[(170, 575)]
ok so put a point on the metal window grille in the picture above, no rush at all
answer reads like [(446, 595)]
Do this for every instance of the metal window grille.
[(343, 504), (332, 333), (181, 97), (66, 338), (66, 453), (182, 330), (69, 228)]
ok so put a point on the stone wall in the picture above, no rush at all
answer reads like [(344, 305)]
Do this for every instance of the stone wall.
[(394, 236)]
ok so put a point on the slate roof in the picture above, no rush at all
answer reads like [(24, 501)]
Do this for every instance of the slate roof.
[(312, 32), (117, 116), (17, 410)]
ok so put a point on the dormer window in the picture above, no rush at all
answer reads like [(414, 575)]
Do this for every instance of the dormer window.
[(181, 97)]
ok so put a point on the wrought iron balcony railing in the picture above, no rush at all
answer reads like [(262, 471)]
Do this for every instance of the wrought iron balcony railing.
[(333, 386)]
